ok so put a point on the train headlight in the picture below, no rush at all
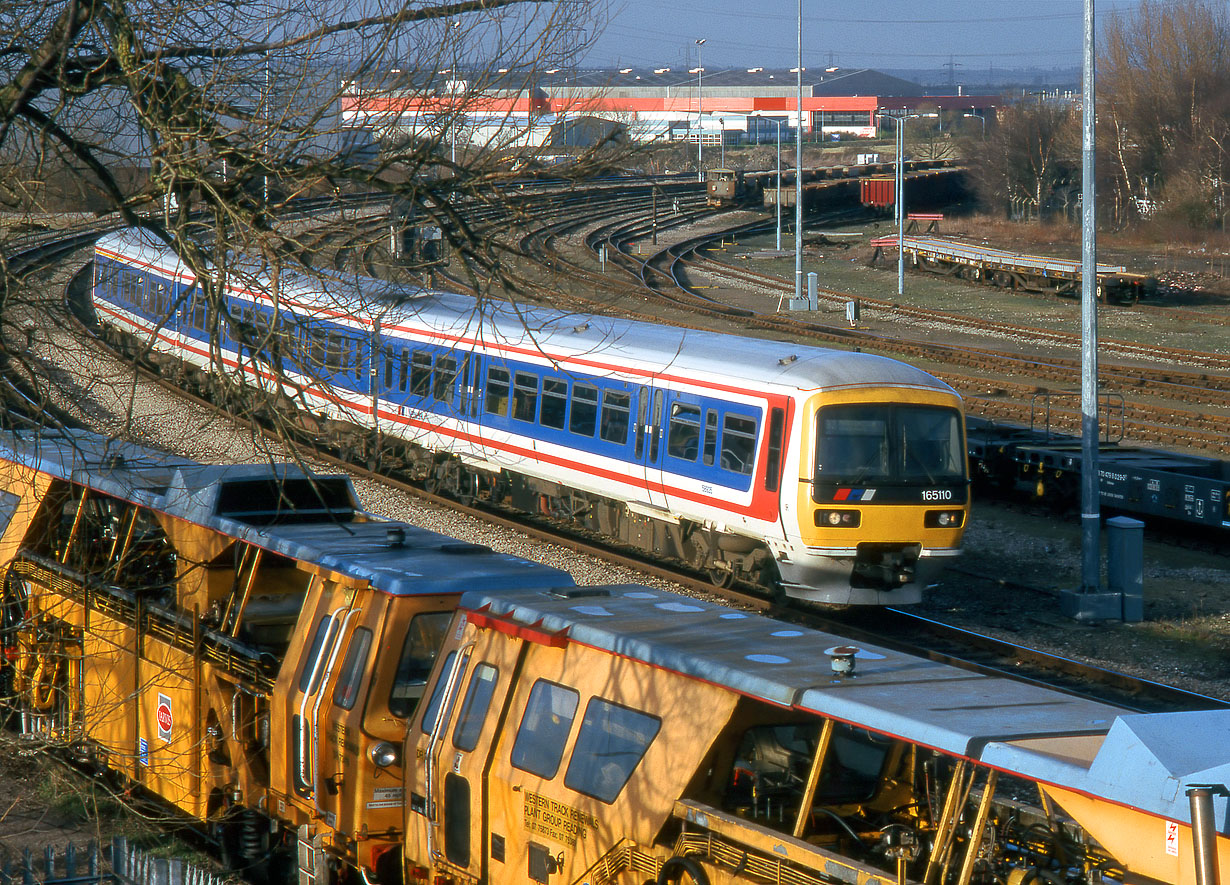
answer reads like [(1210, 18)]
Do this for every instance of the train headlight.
[(838, 519), (383, 754), (943, 519)]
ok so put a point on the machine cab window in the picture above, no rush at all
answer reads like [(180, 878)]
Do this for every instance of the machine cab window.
[(423, 638)]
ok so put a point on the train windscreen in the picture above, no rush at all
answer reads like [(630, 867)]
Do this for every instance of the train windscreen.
[(889, 444)]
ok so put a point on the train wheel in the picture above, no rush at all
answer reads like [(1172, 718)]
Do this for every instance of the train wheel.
[(684, 870), (721, 577)]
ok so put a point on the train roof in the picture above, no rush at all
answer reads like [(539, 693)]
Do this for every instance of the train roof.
[(248, 502), (593, 343), (1136, 759)]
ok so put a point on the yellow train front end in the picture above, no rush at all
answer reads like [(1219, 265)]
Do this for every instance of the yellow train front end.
[(883, 494)]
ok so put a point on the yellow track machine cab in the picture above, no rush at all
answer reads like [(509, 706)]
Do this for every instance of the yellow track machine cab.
[(243, 642), (629, 735)]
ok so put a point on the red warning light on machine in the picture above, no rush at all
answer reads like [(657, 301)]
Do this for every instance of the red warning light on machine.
[(165, 720)]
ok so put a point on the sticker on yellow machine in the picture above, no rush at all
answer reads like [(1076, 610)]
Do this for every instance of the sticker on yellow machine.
[(387, 797), (555, 820)]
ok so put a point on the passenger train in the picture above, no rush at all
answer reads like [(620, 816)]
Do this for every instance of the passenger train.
[(839, 477), (344, 699)]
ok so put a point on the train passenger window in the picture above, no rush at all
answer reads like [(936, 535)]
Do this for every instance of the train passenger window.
[(584, 418), (738, 444), (353, 667), (711, 435), (420, 373), (544, 728), (334, 349), (609, 746), (403, 370), (317, 348), (616, 411), (773, 463), (683, 437), (432, 710), (554, 403), (474, 707), (389, 362), (446, 378), (497, 391), (525, 396), (418, 652), (322, 645)]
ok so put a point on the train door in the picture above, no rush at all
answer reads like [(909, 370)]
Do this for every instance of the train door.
[(338, 757), (648, 448), (451, 745), (304, 692)]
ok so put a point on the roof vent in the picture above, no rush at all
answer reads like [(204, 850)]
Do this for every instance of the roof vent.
[(395, 537), (578, 592), (787, 360), (584, 327)]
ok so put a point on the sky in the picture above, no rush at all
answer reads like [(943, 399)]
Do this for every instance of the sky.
[(972, 35)]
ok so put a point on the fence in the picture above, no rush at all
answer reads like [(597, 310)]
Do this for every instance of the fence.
[(116, 864)]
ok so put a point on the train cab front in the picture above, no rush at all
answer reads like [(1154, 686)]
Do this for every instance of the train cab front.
[(883, 498)]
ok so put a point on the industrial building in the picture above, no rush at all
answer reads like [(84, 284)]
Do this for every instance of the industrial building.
[(718, 105)]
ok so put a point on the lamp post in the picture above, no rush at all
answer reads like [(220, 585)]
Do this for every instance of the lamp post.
[(798, 168), (984, 122), (722, 123), (455, 28), (899, 196), (779, 184), (700, 111)]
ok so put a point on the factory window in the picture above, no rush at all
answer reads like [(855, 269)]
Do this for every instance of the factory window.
[(497, 391), (474, 707), (418, 652), (544, 729), (437, 694), (615, 414), (525, 396), (584, 418), (610, 744), (738, 443), (554, 403), (446, 378), (711, 435), (420, 373), (683, 438), (772, 474), (353, 668)]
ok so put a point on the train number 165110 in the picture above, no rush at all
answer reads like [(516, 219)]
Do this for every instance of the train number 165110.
[(937, 494)]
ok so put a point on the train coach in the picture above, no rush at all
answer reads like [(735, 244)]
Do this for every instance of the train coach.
[(623, 735), (839, 477), (243, 642)]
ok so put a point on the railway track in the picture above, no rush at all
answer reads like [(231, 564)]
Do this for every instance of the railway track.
[(1009, 657), (898, 629), (1142, 420)]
